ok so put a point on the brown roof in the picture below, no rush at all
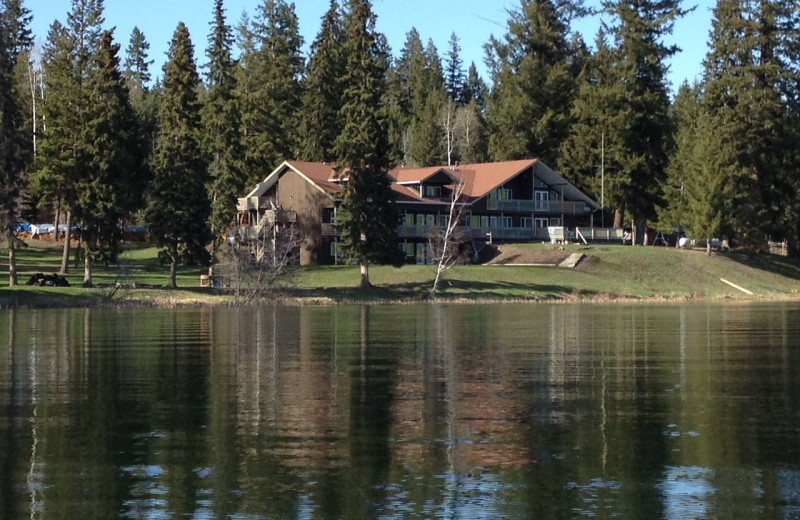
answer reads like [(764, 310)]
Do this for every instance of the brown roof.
[(480, 179), (403, 174), (321, 174)]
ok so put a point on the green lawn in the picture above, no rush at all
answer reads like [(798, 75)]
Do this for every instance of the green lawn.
[(608, 272)]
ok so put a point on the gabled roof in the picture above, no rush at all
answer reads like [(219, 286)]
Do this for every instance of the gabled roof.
[(480, 179), (318, 174)]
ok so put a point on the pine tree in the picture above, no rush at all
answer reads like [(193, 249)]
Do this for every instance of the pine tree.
[(143, 98), (16, 18), (592, 155), (12, 165), (369, 217), (454, 72), (270, 108), (67, 67), (322, 90), (110, 186), (221, 123), (685, 115), (137, 64), (748, 81), (528, 110), (179, 207), (474, 89), (641, 70)]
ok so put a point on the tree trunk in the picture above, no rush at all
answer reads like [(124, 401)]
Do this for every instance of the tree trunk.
[(12, 258), (87, 269), (708, 246), (173, 274), (364, 273), (67, 238), (617, 218)]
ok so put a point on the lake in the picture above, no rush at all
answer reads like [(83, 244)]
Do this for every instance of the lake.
[(673, 411)]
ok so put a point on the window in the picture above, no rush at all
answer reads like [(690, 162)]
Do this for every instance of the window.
[(327, 215), (441, 220), (408, 219), (526, 222), (433, 191), (336, 249), (407, 248), (502, 194), (541, 222), (555, 221), (500, 222)]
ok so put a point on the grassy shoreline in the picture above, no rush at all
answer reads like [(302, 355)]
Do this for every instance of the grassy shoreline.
[(608, 273)]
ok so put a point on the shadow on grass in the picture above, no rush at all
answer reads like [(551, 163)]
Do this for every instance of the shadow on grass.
[(779, 265), (449, 290)]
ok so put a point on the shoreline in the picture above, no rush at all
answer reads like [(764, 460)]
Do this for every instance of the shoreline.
[(188, 298)]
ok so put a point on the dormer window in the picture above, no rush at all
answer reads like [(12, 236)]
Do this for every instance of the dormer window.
[(432, 191)]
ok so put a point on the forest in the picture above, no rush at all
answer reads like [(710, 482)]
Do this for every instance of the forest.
[(90, 136)]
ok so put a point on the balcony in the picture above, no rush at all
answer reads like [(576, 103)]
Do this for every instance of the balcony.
[(279, 216), (514, 233), (543, 206), (252, 203)]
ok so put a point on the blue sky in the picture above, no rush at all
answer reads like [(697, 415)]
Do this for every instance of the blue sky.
[(472, 20)]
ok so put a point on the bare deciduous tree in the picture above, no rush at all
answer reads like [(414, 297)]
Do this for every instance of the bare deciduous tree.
[(253, 277), (443, 242)]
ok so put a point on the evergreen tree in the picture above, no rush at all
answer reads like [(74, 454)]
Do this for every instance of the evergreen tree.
[(685, 114), (12, 165), (16, 20), (143, 98), (110, 186), (322, 90), (474, 89), (67, 63), (222, 122), (748, 99), (270, 109), (641, 69), (528, 110), (592, 155), (137, 64), (368, 214), (179, 206), (454, 72)]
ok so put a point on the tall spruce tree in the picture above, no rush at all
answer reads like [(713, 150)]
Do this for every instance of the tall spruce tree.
[(111, 184), (592, 155), (368, 214), (67, 67), (529, 108), (221, 123), (143, 97), (12, 165), (17, 19), (320, 124), (453, 71), (748, 100), (270, 108), (137, 64), (641, 69), (685, 115), (179, 206)]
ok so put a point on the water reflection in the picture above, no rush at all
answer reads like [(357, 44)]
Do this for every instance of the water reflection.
[(647, 411)]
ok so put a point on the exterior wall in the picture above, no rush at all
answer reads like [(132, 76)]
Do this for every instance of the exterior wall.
[(296, 193)]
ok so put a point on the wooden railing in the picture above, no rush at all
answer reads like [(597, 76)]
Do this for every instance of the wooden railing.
[(544, 206), (252, 203)]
